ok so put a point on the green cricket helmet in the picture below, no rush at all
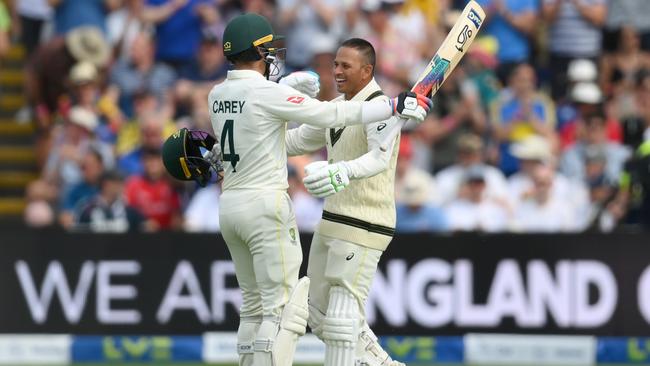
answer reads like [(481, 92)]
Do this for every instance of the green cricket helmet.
[(246, 31), (183, 155)]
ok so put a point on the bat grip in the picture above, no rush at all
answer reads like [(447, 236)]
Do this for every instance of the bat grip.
[(390, 136)]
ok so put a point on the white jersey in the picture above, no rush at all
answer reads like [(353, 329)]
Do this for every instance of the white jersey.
[(249, 115), (363, 213)]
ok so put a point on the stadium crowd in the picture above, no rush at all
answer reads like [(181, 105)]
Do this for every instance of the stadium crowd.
[(544, 127)]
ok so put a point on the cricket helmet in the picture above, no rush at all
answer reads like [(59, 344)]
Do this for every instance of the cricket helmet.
[(183, 155), (246, 31)]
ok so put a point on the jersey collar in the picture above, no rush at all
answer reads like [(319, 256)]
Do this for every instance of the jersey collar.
[(364, 93), (244, 74)]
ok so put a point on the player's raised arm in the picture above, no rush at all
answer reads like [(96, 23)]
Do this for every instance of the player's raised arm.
[(290, 105)]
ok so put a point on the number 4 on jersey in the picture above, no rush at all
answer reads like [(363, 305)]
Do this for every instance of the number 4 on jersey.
[(228, 130)]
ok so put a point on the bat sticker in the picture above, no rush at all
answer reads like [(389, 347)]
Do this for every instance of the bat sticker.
[(475, 18)]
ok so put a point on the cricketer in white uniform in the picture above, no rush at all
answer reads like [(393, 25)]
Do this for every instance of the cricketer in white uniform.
[(358, 223), (249, 115)]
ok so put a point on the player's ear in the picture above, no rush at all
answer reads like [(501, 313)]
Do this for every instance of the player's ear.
[(367, 71)]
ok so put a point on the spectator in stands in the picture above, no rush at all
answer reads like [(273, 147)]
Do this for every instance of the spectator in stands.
[(619, 70), (597, 215), (123, 26), (472, 209), (85, 92), (178, 27), (5, 28), (33, 14), (594, 141), (415, 212), (107, 212), (622, 13), (308, 210), (479, 65), (304, 21), (92, 168), (323, 49), (511, 22), (532, 153), (470, 156), (152, 194), (71, 142), (574, 32), (46, 74), (151, 137), (405, 169), (539, 210), (70, 14), (634, 124), (202, 212), (460, 110), (527, 112), (41, 201), (209, 68), (142, 73)]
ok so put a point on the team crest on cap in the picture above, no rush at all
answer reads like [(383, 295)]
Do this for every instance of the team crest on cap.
[(296, 99), (227, 46)]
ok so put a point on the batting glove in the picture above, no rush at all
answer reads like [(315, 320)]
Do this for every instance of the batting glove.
[(411, 106), (214, 158), (323, 179), (306, 82)]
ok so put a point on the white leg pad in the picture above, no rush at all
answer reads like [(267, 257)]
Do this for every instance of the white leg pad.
[(248, 328), (369, 352), (341, 328), (276, 339)]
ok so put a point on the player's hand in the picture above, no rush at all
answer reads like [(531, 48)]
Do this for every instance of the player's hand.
[(214, 158), (323, 179), (411, 106), (306, 82)]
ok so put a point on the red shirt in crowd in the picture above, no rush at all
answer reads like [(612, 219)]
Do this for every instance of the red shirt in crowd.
[(156, 200)]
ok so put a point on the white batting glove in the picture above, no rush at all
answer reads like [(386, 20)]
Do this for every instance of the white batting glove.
[(214, 158), (323, 179), (411, 106), (306, 82)]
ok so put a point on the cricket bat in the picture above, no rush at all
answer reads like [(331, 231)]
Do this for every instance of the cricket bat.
[(452, 49)]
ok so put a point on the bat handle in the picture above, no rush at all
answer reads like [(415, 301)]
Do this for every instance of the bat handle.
[(390, 136)]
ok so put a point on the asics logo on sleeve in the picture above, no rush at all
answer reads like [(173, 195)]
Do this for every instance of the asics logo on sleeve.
[(381, 127), (296, 99)]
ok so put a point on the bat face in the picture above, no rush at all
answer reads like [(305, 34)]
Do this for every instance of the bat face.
[(452, 50)]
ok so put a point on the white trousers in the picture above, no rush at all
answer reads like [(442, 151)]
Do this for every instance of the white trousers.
[(335, 262), (260, 230)]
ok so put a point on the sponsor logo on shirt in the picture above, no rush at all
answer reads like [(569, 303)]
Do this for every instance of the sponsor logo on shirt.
[(296, 99)]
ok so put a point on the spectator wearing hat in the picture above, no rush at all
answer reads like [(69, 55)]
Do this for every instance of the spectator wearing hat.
[(209, 68), (178, 28), (70, 14), (470, 156), (533, 152), (539, 210), (511, 22), (48, 70), (142, 73), (107, 212), (575, 28), (594, 144), (78, 194), (472, 209), (415, 212), (152, 194), (71, 142), (527, 112)]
